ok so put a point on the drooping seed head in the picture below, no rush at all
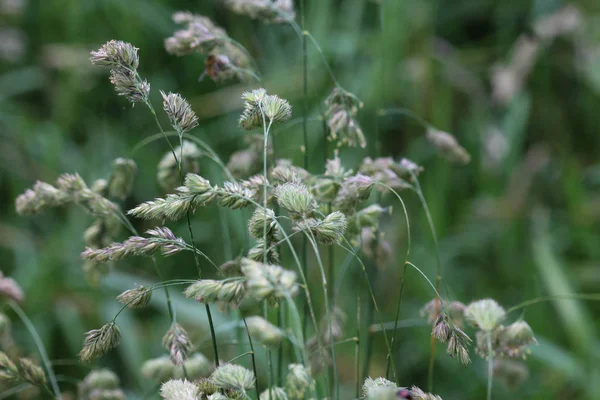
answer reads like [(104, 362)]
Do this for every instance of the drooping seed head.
[(342, 107), (199, 35), (448, 146), (353, 190), (98, 342), (10, 289), (136, 298), (516, 338), (177, 343)]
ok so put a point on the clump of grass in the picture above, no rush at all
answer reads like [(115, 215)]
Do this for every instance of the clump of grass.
[(340, 207)]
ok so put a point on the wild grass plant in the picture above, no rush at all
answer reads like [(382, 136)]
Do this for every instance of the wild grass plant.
[(308, 231)]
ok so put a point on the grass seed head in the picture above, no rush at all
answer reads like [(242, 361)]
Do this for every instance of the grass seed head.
[(98, 342), (231, 376), (177, 389)]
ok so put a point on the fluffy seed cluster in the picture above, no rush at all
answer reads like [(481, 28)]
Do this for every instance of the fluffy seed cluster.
[(70, 188), (177, 389), (200, 35), (265, 332), (389, 172), (161, 240), (224, 59), (298, 381), (510, 341), (100, 384), (98, 342), (123, 58), (342, 107), (268, 11), (296, 198), (447, 146), (383, 389), (328, 230), (162, 369), (10, 289), (274, 393), (257, 252), (354, 190), (231, 376), (268, 282), (179, 111), (485, 314), (256, 225), (285, 172), (261, 107), (177, 342)]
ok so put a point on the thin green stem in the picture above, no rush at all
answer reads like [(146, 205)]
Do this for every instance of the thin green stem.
[(266, 129), (403, 275), (253, 356), (372, 295), (304, 129), (438, 273), (149, 105), (357, 349), (280, 323), (328, 310), (566, 296), (490, 365), (40, 346)]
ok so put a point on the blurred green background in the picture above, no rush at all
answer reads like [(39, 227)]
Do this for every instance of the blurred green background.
[(520, 221)]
